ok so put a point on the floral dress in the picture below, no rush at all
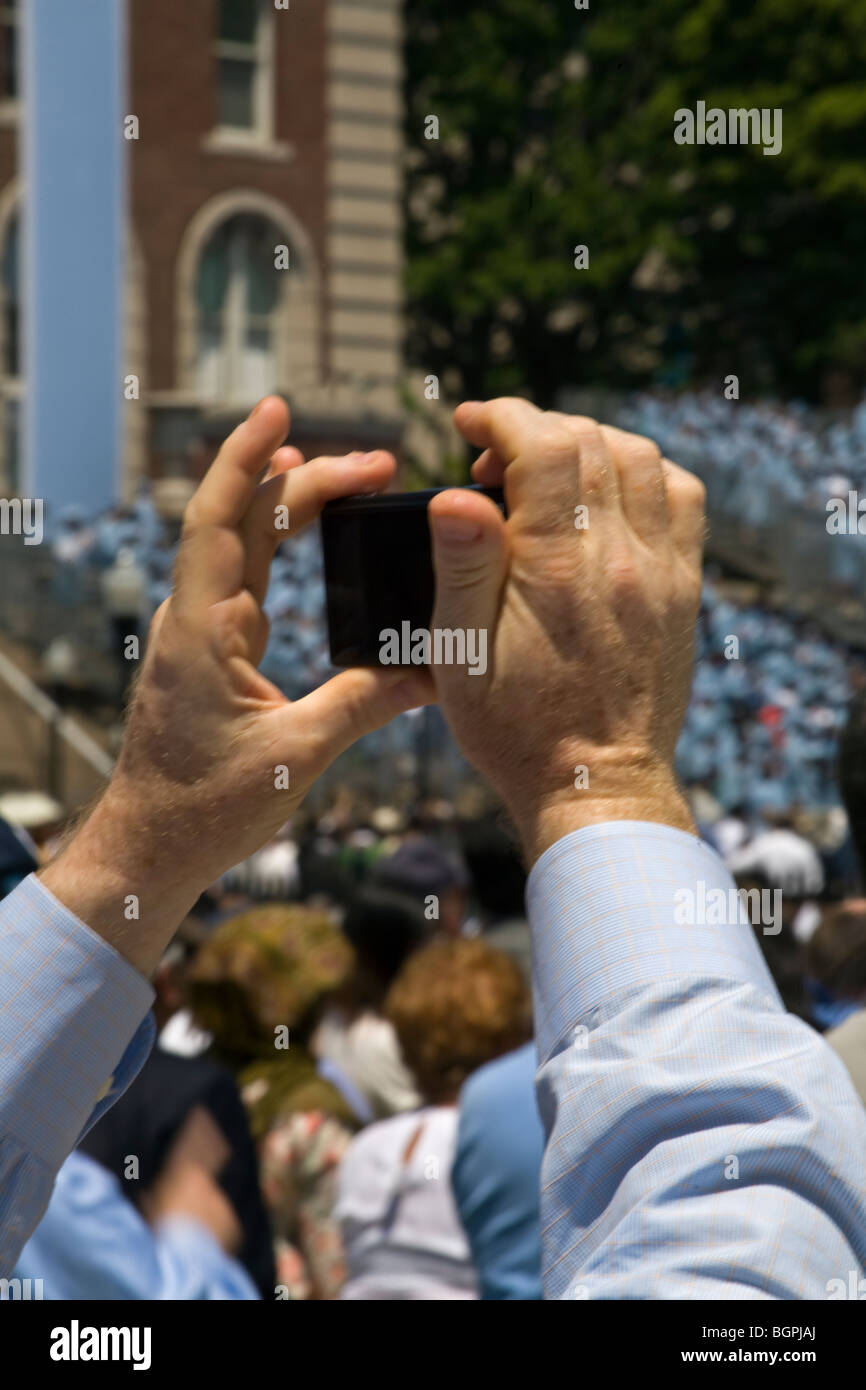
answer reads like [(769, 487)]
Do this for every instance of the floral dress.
[(300, 1156)]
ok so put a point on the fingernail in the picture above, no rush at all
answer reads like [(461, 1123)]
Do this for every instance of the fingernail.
[(456, 528), (368, 458), (256, 408)]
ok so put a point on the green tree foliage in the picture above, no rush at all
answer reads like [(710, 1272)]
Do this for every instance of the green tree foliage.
[(556, 129)]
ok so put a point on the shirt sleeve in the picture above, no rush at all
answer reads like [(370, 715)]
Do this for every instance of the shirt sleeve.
[(75, 1029), (495, 1175), (701, 1142), (93, 1244)]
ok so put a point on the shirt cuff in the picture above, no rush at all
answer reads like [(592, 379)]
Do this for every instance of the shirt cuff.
[(69, 1005), (621, 906)]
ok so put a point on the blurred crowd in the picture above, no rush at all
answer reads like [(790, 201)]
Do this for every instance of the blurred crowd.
[(767, 453), (341, 1103), (769, 697), (769, 700)]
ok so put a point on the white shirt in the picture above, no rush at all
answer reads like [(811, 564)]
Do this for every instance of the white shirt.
[(368, 1052), (401, 1232)]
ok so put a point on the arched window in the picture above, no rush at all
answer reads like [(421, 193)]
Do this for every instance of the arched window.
[(238, 293)]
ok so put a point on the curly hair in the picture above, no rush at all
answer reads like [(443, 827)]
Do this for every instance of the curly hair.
[(456, 1005), (274, 964)]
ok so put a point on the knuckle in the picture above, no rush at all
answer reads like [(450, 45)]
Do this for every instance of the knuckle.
[(691, 492), (699, 493), (624, 577), (637, 447), (581, 428), (595, 473), (646, 448), (560, 438), (580, 425), (684, 488), (624, 573)]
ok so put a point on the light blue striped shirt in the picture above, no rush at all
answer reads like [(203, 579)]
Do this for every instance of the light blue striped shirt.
[(75, 1029), (701, 1142)]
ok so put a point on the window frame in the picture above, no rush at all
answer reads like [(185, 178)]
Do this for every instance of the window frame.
[(235, 321), (260, 56)]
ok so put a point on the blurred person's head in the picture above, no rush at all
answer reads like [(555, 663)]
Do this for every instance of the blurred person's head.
[(456, 1005), (431, 875), (836, 951), (495, 868), (384, 928), (274, 966), (259, 986)]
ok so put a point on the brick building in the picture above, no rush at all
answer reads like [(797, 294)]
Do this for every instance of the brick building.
[(264, 229)]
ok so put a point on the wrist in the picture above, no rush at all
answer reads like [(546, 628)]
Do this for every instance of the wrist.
[(625, 788), (125, 878)]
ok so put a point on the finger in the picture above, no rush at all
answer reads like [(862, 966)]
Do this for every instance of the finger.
[(470, 558), (228, 487), (686, 500), (489, 469), (507, 424), (282, 462), (352, 704), (285, 504), (554, 462), (584, 439), (641, 484), (261, 528), (210, 559)]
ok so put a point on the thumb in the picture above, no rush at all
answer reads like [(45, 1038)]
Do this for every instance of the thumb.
[(470, 557), (355, 703)]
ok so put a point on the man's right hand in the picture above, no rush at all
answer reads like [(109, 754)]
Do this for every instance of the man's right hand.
[(589, 594), (215, 758)]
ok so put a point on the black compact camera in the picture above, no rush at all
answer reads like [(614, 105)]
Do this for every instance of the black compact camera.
[(378, 569)]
